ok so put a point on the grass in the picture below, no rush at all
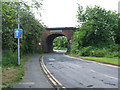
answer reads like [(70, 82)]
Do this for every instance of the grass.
[(115, 61), (103, 59), (12, 75)]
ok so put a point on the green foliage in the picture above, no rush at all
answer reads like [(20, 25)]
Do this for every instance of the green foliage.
[(8, 86), (32, 29), (97, 34), (103, 59), (10, 58), (32, 32), (60, 43), (99, 26), (95, 52), (20, 75)]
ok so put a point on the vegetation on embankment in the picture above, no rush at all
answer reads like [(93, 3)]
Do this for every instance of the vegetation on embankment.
[(32, 28), (97, 35), (113, 61), (104, 59), (32, 33), (13, 74)]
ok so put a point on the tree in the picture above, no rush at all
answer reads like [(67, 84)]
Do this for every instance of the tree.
[(60, 42), (32, 32), (32, 29), (98, 28), (97, 33)]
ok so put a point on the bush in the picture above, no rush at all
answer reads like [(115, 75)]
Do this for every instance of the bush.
[(9, 58), (85, 51), (99, 53), (114, 48), (112, 54)]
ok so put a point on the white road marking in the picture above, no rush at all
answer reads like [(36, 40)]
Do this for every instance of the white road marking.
[(29, 83), (104, 74), (92, 70), (51, 59), (110, 76)]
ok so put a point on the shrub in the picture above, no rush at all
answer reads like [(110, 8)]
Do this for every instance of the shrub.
[(114, 48), (9, 58), (85, 51), (99, 53), (112, 54)]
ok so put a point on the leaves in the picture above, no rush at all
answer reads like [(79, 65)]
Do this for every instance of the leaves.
[(98, 29), (60, 42), (32, 29)]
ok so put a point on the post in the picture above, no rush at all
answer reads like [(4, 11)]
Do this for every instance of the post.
[(18, 38)]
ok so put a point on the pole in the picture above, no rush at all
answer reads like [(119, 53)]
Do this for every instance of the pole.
[(18, 38)]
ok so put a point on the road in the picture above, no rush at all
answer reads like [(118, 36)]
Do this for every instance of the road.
[(76, 73)]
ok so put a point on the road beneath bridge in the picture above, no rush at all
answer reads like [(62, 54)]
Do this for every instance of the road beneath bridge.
[(76, 73)]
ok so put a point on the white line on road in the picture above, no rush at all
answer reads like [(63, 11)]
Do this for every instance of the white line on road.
[(92, 70), (110, 76), (52, 59), (104, 74)]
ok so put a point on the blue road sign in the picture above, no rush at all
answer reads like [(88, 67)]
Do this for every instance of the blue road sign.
[(18, 33)]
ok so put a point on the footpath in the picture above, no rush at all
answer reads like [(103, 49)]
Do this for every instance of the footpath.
[(34, 76)]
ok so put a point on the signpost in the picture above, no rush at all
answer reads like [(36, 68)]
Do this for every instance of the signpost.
[(18, 34)]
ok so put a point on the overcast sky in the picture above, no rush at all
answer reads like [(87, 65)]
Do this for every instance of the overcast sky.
[(62, 13)]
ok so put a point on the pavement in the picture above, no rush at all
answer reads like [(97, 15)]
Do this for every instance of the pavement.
[(34, 76), (77, 73)]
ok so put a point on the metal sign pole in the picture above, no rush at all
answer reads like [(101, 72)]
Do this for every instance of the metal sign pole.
[(18, 38)]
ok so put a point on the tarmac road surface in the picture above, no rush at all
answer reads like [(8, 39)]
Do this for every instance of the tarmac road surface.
[(76, 73)]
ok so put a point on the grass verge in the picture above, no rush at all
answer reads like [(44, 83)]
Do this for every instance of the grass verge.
[(115, 61), (12, 75)]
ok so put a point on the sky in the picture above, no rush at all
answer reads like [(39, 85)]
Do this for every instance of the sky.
[(62, 13)]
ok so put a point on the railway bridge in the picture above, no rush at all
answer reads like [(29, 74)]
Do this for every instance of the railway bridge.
[(51, 33)]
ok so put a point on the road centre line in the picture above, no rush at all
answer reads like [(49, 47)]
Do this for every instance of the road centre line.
[(110, 76), (104, 74)]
